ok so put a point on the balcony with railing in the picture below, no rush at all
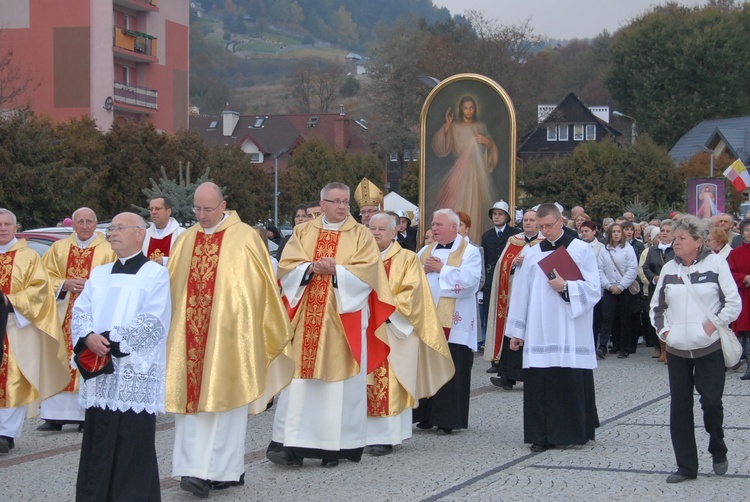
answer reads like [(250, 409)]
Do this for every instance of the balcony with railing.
[(134, 45), (135, 99), (139, 5)]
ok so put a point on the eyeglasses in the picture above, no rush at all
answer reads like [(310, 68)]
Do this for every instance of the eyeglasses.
[(368, 211), (337, 202), (156, 208), (120, 229), (206, 210)]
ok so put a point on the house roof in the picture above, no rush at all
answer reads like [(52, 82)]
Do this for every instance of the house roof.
[(735, 132), (570, 110), (283, 131)]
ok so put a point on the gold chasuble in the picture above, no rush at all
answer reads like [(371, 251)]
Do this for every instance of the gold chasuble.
[(65, 260), (420, 364), (327, 345), (229, 327), (35, 363), (500, 297)]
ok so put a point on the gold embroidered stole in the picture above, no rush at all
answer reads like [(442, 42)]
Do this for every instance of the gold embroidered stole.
[(316, 298), (78, 265), (6, 277), (446, 307), (200, 292)]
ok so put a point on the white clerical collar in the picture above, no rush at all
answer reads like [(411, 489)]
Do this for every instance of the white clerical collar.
[(160, 231), (663, 246), (84, 244), (5, 248), (384, 252), (555, 241), (123, 260), (209, 231), (333, 226)]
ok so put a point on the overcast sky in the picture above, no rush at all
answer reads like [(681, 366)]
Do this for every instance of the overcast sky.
[(558, 18)]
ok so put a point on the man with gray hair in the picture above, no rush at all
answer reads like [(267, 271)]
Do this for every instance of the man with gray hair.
[(454, 269), (337, 295), (120, 324), (35, 361), (69, 263), (419, 362)]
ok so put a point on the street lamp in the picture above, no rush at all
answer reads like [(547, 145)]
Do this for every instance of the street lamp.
[(632, 129), (710, 152), (276, 185)]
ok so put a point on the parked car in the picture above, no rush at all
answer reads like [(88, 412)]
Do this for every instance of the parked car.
[(41, 241)]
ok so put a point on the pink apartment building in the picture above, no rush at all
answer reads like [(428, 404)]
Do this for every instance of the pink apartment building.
[(111, 59)]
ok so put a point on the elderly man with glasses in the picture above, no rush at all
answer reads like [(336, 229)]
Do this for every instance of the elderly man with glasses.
[(225, 348), (119, 328), (69, 263), (161, 236), (338, 296)]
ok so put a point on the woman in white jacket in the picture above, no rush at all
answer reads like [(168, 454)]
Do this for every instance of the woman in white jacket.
[(617, 270), (693, 343)]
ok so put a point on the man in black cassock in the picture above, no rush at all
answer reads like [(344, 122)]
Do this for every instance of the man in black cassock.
[(551, 317), (119, 328)]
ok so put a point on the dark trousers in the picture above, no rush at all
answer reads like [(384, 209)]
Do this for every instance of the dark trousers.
[(616, 308), (707, 375), (118, 457)]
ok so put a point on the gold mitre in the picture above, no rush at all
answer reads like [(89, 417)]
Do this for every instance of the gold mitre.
[(368, 194)]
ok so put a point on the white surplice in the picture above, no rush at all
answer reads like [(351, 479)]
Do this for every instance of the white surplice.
[(556, 333), (461, 283)]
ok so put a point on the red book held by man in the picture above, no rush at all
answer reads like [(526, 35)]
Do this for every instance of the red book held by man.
[(561, 261)]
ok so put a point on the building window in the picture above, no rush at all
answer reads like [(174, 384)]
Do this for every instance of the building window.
[(213, 125), (562, 132), (256, 158), (590, 132), (259, 121), (415, 155), (578, 132), (125, 75), (551, 133), (393, 157)]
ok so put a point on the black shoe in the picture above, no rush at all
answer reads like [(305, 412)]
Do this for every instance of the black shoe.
[(196, 486), (622, 355), (501, 382), (284, 457), (329, 463), (4, 445), (493, 369), (48, 426), (676, 477), (720, 468), (613, 350), (444, 431), (424, 426), (539, 448), (221, 485), (378, 450), (600, 354), (80, 427)]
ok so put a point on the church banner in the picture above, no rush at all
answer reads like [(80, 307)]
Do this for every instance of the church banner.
[(468, 150), (706, 197)]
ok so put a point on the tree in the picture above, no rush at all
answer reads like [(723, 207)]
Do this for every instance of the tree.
[(676, 66), (603, 176), (249, 190), (327, 82), (302, 86), (180, 193), (350, 87)]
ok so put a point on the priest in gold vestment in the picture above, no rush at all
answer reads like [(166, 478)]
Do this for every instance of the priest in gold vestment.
[(337, 295), (225, 350), (419, 362), (69, 262), (35, 362)]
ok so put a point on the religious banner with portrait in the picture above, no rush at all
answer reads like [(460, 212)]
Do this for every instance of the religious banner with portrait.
[(706, 197), (468, 150)]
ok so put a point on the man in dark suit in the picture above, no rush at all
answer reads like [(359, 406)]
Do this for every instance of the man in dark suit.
[(493, 243)]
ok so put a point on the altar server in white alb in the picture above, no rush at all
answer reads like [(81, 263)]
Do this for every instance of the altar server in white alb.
[(120, 325), (454, 269), (162, 234), (552, 320)]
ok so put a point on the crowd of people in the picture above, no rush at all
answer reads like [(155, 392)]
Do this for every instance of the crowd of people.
[(359, 332)]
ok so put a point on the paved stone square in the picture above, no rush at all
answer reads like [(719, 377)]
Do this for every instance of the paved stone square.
[(629, 460)]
